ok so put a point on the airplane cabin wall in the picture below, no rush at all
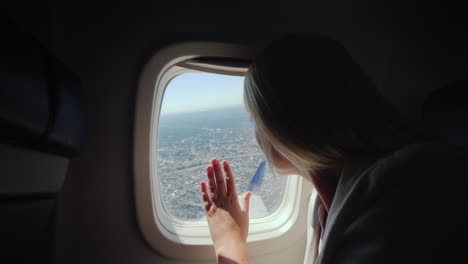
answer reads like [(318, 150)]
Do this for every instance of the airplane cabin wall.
[(408, 50)]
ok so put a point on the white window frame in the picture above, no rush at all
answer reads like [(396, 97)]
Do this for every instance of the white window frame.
[(173, 237)]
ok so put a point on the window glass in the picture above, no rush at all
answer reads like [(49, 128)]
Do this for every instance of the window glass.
[(203, 117)]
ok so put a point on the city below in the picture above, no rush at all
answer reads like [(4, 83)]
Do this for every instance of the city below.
[(186, 144)]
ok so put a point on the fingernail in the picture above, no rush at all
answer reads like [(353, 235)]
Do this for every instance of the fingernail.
[(215, 161)]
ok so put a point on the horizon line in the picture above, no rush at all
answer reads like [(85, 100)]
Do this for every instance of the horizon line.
[(200, 110)]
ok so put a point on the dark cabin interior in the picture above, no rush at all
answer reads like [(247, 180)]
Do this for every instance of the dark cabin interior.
[(84, 59)]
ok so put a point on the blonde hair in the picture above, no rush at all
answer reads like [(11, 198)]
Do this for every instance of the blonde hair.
[(313, 105)]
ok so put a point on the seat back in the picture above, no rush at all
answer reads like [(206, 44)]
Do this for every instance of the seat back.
[(445, 114), (40, 129)]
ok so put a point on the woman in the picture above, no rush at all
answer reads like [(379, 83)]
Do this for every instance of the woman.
[(317, 114)]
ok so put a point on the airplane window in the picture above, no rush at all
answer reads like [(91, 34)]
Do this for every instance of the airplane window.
[(189, 109), (202, 117)]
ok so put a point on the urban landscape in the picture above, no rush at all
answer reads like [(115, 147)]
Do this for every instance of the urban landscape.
[(186, 144)]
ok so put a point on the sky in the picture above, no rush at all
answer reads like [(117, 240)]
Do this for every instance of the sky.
[(191, 92)]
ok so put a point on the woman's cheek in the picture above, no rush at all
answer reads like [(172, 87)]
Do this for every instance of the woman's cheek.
[(284, 167)]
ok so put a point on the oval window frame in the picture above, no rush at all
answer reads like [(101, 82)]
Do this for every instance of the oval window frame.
[(166, 235)]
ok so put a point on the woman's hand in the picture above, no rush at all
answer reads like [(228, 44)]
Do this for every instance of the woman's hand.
[(228, 221)]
